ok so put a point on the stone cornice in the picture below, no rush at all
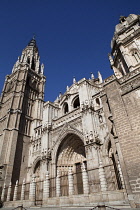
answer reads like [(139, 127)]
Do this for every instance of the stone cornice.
[(129, 76), (62, 123), (123, 79), (109, 80), (67, 115), (130, 86)]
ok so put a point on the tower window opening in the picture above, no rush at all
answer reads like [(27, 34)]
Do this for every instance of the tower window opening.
[(66, 108), (98, 101), (33, 65), (76, 103), (28, 60)]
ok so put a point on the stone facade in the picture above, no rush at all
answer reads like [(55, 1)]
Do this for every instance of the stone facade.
[(83, 148)]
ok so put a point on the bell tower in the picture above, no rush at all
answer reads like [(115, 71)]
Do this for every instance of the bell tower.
[(21, 103), (125, 55)]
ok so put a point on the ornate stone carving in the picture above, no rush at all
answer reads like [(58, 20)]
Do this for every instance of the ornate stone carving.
[(113, 129), (91, 138), (49, 154), (46, 154), (130, 86), (87, 105), (46, 127)]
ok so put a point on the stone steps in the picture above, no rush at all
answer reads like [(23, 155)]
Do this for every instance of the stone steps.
[(65, 208), (48, 208)]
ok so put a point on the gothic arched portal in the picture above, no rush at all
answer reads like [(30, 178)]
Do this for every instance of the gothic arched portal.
[(71, 154)]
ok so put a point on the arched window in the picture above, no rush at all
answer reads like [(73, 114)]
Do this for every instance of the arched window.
[(66, 108), (76, 102), (33, 65), (97, 101), (28, 60)]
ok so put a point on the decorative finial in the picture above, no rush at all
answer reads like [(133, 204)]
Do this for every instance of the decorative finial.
[(100, 77), (32, 42), (42, 68), (74, 80), (60, 94), (92, 75), (57, 99), (110, 59), (34, 36)]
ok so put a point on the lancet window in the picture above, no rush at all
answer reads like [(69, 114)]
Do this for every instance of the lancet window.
[(76, 102), (66, 108), (136, 56)]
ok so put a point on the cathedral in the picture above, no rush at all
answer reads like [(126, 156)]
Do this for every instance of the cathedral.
[(81, 149)]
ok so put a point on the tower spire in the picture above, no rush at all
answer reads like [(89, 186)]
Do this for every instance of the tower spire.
[(32, 42)]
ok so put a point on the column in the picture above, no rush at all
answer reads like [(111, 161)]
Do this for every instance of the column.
[(85, 180), (15, 191), (9, 192), (32, 189), (3, 192), (23, 190), (70, 180), (46, 186), (58, 191), (102, 177)]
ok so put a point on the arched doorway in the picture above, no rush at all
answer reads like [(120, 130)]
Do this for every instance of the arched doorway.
[(71, 154), (39, 184), (115, 166)]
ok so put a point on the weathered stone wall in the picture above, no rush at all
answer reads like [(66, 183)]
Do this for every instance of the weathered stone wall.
[(124, 107)]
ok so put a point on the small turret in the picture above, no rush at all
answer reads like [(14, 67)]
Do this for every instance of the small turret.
[(92, 75), (74, 80), (100, 77)]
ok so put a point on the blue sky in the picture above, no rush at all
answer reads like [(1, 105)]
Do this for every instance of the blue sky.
[(73, 36)]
